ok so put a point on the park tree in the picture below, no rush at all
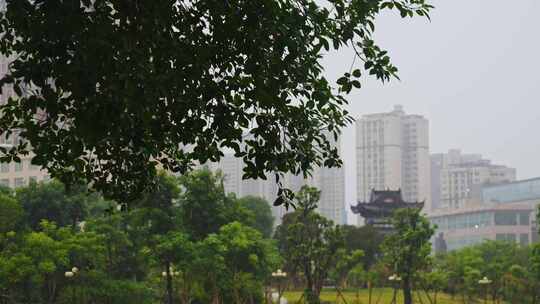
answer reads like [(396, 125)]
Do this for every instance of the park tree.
[(124, 245), (312, 243), (51, 201), (407, 250), (249, 261), (516, 284), (204, 205), (365, 238), (497, 259), (11, 213), (433, 282), (174, 253), (534, 263), (345, 265), (6, 190), (463, 265), (157, 211), (157, 223), (210, 268), (32, 265), (263, 220), (105, 90)]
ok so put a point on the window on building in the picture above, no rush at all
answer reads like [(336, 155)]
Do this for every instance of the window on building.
[(4, 182), (506, 218), (19, 182), (18, 166), (4, 167), (524, 218)]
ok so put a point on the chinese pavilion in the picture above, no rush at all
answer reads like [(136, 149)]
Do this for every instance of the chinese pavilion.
[(382, 204)]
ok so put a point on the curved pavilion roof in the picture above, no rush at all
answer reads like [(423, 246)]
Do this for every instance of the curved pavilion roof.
[(383, 203)]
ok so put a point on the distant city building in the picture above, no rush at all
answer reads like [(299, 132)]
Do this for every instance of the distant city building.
[(378, 211), (457, 178), (502, 212), (330, 181), (518, 191), (392, 152), (13, 174)]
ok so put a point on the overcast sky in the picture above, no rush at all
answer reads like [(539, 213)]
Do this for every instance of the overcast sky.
[(473, 71)]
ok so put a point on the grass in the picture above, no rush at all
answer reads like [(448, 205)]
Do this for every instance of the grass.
[(379, 296)]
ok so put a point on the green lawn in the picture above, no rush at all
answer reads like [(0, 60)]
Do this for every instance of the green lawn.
[(379, 296)]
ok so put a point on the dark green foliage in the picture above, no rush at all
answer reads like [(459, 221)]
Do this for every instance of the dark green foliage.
[(11, 213), (108, 89), (204, 206), (122, 255), (261, 213), (365, 238), (32, 265), (243, 260), (51, 202), (510, 268)]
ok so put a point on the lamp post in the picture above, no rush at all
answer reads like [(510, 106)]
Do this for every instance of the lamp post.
[(485, 282), (168, 276), (70, 275), (395, 279), (279, 276)]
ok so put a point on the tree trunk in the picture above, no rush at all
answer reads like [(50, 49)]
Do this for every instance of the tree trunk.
[(186, 293), (407, 294), (311, 297), (169, 283), (370, 291), (310, 291)]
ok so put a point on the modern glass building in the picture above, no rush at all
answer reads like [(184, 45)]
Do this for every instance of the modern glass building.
[(519, 191), (465, 228), (503, 212)]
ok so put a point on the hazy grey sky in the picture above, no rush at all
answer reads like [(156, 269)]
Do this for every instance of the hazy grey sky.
[(473, 71)]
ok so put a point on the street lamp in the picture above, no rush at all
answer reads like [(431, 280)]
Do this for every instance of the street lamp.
[(71, 275), (279, 276), (485, 282), (173, 274), (395, 279), (168, 280)]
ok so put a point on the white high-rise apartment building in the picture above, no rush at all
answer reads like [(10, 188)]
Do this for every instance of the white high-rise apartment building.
[(392, 152), (457, 178), (15, 174)]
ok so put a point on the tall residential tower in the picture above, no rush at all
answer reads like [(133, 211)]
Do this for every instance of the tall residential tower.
[(392, 152)]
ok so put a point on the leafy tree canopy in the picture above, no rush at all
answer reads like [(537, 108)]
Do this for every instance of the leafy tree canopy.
[(407, 251), (108, 89), (263, 220), (11, 213), (312, 243), (204, 206), (50, 201), (365, 238)]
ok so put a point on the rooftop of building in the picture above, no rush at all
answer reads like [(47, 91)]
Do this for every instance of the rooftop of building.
[(477, 208), (397, 111), (522, 181)]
